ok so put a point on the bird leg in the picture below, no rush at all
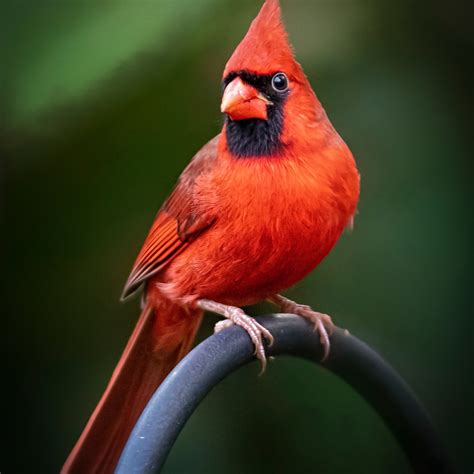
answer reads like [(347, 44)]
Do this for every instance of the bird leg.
[(236, 316), (322, 322)]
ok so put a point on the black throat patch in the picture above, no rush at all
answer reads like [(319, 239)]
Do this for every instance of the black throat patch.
[(256, 137)]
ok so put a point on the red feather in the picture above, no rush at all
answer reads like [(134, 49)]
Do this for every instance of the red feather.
[(176, 224), (162, 336), (234, 230)]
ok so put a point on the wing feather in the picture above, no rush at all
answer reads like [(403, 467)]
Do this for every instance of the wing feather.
[(176, 224)]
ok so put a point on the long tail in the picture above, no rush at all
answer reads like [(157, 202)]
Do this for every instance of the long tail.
[(160, 339)]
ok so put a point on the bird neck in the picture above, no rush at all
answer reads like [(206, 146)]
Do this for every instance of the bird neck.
[(254, 137)]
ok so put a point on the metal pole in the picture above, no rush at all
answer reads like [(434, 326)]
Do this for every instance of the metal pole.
[(203, 368)]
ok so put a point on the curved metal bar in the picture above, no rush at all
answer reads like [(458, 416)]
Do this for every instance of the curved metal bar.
[(219, 355)]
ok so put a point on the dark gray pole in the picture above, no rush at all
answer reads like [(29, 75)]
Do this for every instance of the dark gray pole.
[(219, 355)]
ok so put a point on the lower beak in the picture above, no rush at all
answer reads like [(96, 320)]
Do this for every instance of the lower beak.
[(241, 101)]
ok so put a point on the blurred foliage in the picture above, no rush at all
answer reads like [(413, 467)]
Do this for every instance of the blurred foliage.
[(101, 106)]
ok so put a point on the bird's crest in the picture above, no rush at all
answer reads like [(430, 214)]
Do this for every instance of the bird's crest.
[(265, 48)]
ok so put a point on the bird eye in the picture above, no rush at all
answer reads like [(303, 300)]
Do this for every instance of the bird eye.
[(280, 82)]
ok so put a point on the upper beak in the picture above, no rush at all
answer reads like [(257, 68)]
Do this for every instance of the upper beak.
[(241, 101)]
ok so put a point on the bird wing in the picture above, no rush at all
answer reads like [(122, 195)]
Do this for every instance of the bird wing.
[(176, 223)]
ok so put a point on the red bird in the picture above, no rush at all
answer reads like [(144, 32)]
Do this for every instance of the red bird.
[(255, 211)]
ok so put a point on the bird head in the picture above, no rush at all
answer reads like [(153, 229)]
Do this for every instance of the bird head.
[(264, 89)]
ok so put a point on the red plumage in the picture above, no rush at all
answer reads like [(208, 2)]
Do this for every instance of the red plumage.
[(235, 230), (162, 336)]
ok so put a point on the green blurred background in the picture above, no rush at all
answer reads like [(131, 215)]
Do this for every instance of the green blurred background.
[(102, 105)]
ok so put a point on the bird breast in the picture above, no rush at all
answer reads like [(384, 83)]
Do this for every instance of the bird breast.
[(275, 221)]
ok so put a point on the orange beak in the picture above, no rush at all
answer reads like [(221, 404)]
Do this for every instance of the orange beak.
[(241, 101)]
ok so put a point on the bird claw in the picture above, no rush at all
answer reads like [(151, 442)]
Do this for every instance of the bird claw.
[(254, 329), (223, 324), (323, 324)]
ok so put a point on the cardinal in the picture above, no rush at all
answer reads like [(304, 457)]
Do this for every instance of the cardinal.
[(256, 209)]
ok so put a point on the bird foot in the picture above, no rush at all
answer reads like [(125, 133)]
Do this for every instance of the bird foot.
[(236, 316), (323, 324)]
